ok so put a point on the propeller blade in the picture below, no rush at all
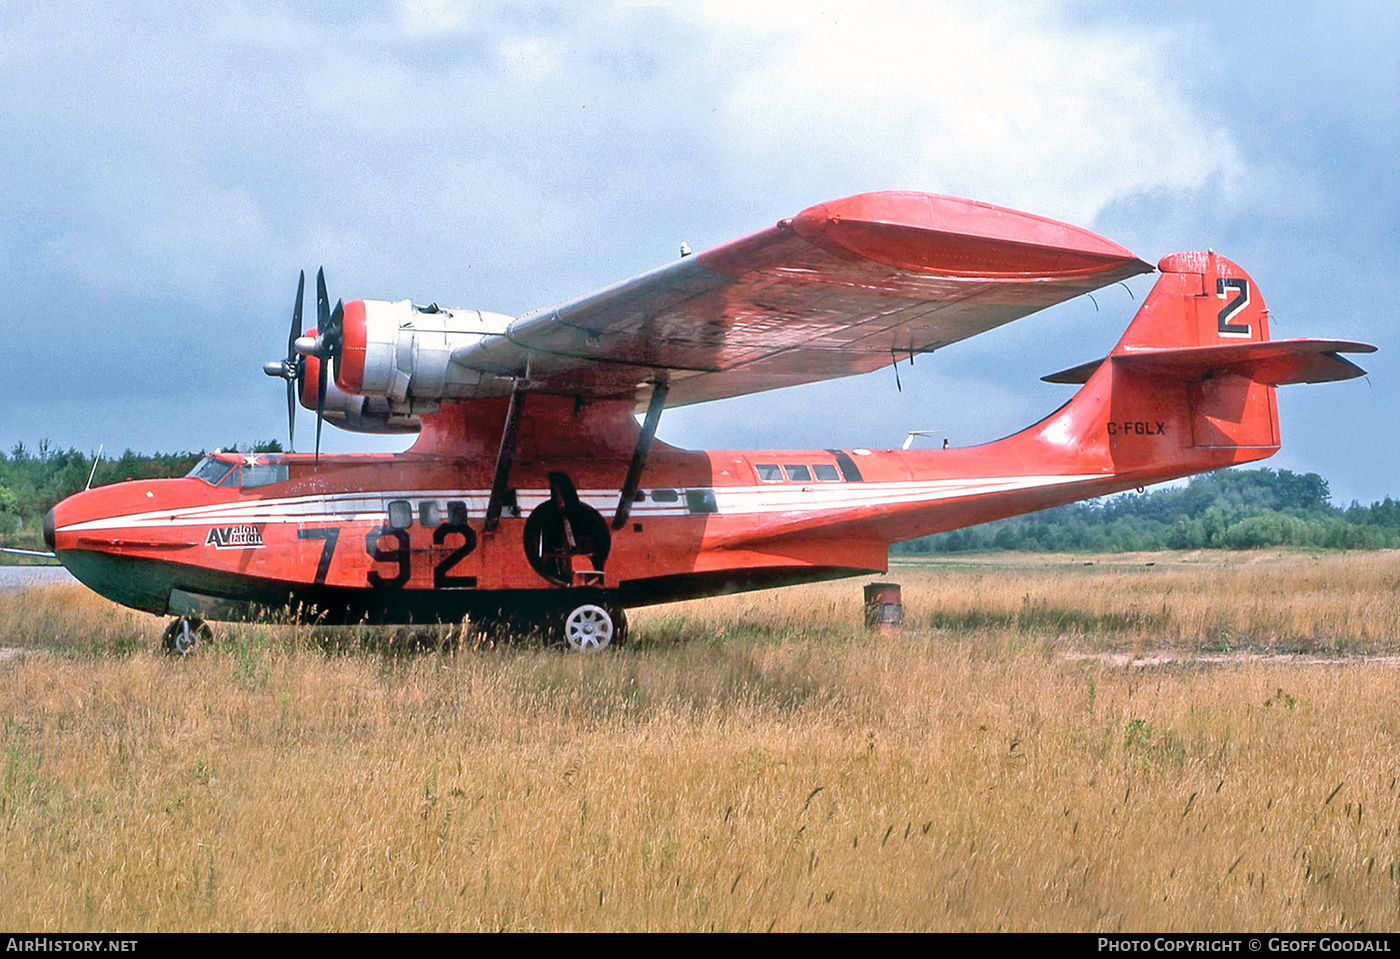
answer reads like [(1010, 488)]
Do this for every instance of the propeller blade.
[(294, 365), (335, 338), (291, 415), (323, 302), (296, 317), (320, 405), (337, 321)]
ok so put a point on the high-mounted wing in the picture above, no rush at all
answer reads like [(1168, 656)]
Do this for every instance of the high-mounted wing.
[(844, 287)]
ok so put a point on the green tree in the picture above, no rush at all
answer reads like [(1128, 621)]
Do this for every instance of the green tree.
[(1235, 509)]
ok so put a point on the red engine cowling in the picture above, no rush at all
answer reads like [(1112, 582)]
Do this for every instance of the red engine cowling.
[(403, 352)]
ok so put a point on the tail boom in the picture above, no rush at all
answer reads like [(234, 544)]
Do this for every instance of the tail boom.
[(1189, 388)]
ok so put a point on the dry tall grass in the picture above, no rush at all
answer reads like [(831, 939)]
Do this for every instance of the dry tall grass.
[(1298, 602), (752, 763)]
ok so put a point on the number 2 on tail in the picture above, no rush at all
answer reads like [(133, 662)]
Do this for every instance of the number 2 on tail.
[(1233, 306)]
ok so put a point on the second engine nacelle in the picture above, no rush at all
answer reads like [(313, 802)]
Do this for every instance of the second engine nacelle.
[(403, 352)]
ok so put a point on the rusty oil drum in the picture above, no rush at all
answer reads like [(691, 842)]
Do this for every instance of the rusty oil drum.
[(884, 612)]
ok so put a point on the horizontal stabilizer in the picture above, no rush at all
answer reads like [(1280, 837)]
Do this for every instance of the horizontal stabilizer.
[(1077, 375), (1274, 362)]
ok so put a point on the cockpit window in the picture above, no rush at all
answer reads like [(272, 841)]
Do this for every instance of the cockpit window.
[(210, 470), (218, 472)]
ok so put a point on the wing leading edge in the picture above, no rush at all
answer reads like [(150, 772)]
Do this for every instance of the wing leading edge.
[(842, 288)]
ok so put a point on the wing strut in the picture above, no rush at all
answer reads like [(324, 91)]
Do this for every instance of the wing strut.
[(505, 456), (659, 389)]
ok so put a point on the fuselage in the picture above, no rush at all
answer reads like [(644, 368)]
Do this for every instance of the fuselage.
[(401, 538)]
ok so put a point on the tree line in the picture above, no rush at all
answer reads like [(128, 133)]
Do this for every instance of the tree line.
[(1231, 509)]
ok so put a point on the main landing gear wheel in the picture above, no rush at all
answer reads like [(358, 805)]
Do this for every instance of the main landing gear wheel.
[(589, 627), (186, 634)]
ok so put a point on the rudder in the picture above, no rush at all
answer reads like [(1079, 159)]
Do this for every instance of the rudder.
[(1200, 299), (1190, 384)]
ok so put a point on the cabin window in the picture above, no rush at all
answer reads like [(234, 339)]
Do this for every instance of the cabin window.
[(457, 512), (797, 472), (769, 472), (701, 501), (231, 479), (263, 474), (826, 473), (664, 496), (400, 514), (510, 506), (428, 514)]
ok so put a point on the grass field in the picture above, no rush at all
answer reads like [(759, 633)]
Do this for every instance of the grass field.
[(751, 763)]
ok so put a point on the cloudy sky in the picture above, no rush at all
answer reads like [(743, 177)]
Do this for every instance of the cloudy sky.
[(168, 168)]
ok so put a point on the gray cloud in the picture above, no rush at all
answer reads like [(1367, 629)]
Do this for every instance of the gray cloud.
[(170, 169)]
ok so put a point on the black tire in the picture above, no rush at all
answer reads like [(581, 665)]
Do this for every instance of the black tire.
[(619, 616), (185, 635)]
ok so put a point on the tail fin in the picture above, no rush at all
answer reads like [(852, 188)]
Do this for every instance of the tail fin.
[(1190, 386)]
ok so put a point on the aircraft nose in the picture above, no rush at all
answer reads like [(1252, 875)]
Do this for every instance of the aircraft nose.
[(48, 529)]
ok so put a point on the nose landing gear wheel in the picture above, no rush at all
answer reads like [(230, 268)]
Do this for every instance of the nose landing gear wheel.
[(589, 628), (185, 634)]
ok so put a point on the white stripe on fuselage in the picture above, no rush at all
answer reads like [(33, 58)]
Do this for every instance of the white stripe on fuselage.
[(729, 501)]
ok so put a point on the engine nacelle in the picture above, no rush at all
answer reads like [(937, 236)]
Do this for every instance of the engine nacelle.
[(359, 414), (403, 352)]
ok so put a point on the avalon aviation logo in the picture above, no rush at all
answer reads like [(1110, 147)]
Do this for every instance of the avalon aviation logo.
[(234, 537)]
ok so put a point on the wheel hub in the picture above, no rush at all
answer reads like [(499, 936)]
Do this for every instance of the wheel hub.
[(184, 635), (588, 628)]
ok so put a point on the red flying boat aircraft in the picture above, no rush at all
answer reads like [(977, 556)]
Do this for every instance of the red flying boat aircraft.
[(532, 494)]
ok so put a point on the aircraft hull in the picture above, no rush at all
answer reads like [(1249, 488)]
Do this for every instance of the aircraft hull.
[(323, 546)]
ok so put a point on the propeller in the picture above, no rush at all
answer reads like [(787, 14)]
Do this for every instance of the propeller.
[(330, 328), (325, 346), (292, 368)]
